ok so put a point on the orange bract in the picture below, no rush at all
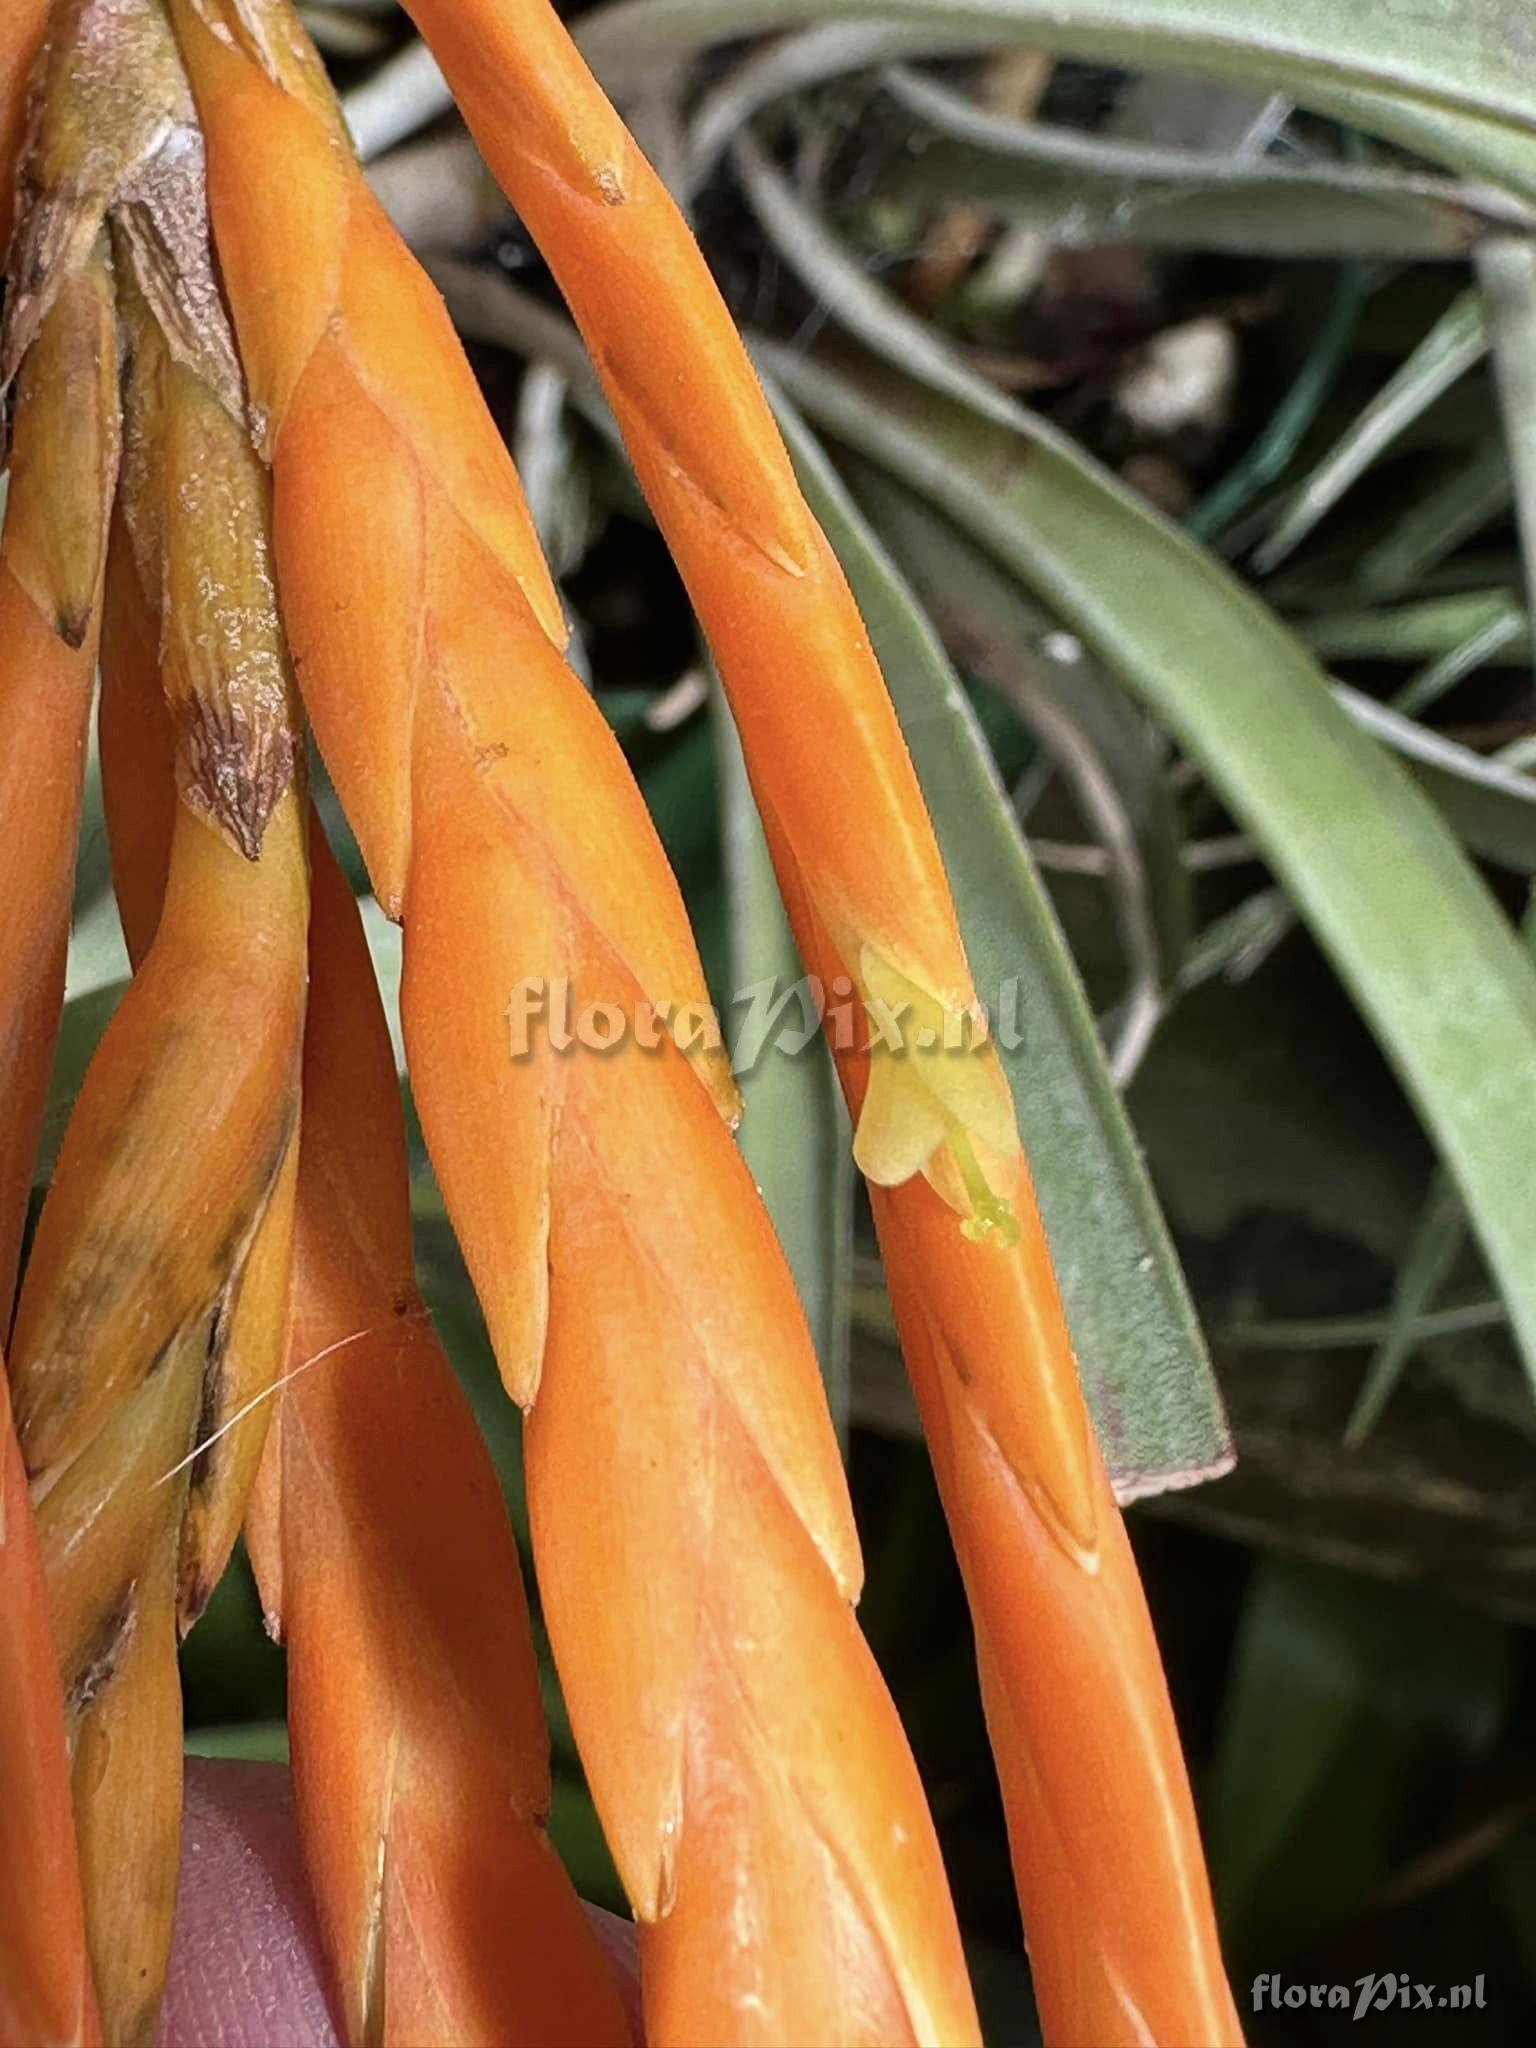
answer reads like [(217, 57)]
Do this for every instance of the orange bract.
[(45, 1980), (837, 789), (691, 1528), (693, 1535), (161, 1195), (1107, 1857), (45, 701), (418, 1739), (379, 1538), (21, 31), (64, 462)]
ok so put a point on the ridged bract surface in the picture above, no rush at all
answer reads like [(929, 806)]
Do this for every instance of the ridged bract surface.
[(692, 1534)]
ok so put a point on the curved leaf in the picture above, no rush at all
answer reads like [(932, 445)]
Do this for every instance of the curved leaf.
[(1363, 855), (1490, 807), (1089, 188), (1458, 340), (1453, 81)]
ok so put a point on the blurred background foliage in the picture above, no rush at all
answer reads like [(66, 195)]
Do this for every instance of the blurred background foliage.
[(1017, 291)]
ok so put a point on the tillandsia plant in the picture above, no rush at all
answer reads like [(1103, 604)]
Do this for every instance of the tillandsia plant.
[(255, 487)]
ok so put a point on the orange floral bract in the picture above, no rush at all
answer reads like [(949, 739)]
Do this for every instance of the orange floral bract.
[(21, 31), (380, 1541), (691, 1529), (45, 1981), (419, 1749)]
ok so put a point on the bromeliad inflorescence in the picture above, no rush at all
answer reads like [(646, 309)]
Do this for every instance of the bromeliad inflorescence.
[(310, 486)]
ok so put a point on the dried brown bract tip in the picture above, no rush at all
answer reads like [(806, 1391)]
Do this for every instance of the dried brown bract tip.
[(113, 138)]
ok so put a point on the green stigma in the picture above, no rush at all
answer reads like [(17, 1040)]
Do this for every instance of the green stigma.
[(989, 1212)]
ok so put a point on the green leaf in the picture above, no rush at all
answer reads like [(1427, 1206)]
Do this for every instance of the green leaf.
[(556, 483), (1363, 856), (794, 1129), (93, 863), (1343, 1699), (251, 1742), (1434, 627), (790, 63), (1143, 1363), (1438, 1237), (1108, 750), (1507, 269), (1457, 341), (577, 1835), (1500, 635), (1082, 189), (232, 1673), (1341, 1333), (1433, 526), (97, 955), (1490, 807), (385, 947), (1240, 940), (1271, 454), (1453, 80), (844, 290)]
